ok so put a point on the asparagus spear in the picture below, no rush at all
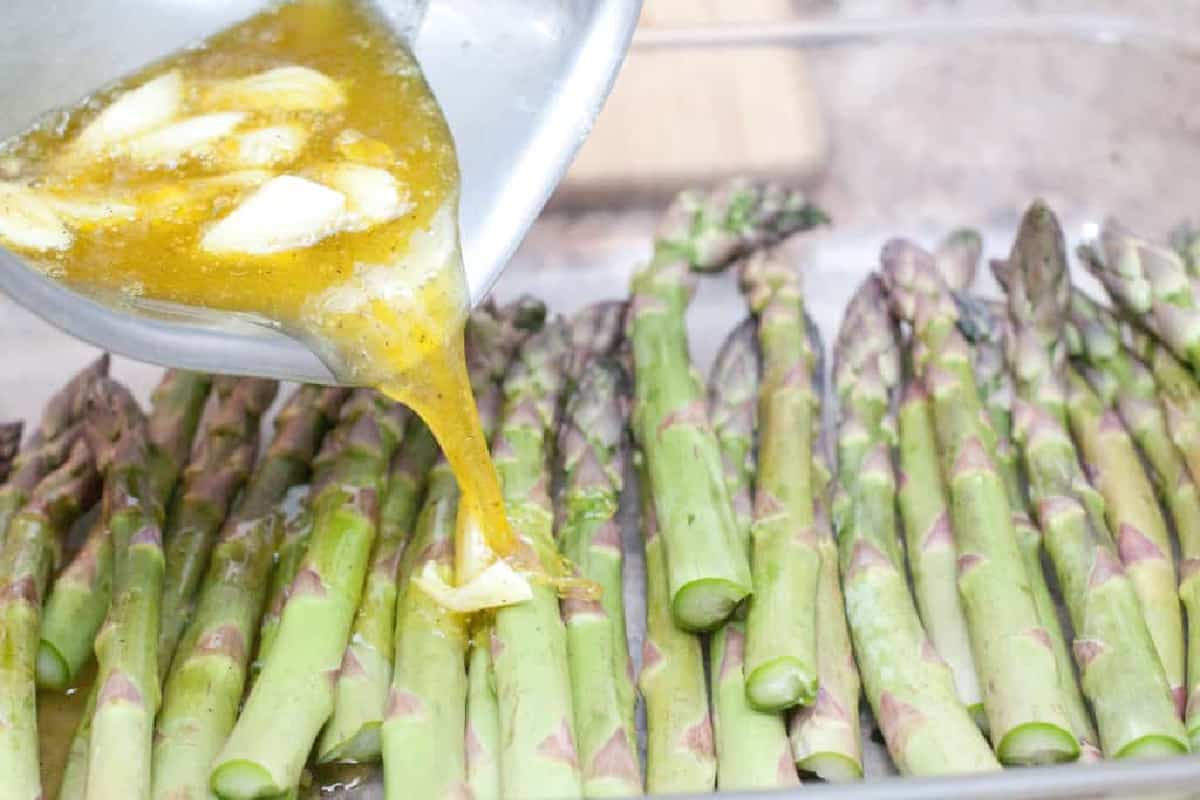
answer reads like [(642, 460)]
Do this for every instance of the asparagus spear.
[(1120, 671), (996, 389), (296, 527), (79, 599), (207, 677), (352, 733), (592, 453), (910, 688), (127, 683), (1124, 382), (1152, 284), (1132, 510), (177, 403), (529, 642), (294, 695), (222, 462), (781, 629), (708, 571), (933, 559), (825, 736), (425, 737), (680, 757), (10, 443), (68, 405), (752, 747), (1026, 715), (34, 535), (50, 443), (483, 724)]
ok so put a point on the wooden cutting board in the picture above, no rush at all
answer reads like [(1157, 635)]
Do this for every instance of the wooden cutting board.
[(687, 116)]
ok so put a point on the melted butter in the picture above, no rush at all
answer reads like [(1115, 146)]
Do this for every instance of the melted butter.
[(385, 304)]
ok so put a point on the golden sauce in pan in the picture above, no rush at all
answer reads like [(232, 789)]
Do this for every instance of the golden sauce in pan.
[(297, 167)]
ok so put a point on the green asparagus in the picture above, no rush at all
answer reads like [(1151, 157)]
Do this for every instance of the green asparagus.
[(222, 461), (1151, 283), (592, 452), (79, 599), (426, 740), (932, 557), (680, 756), (709, 572), (529, 642), (752, 747), (352, 733), (207, 677), (1123, 381), (1026, 715), (51, 442), (34, 536), (127, 680), (825, 736), (1132, 511), (294, 694), (1120, 671), (482, 744), (996, 390), (910, 688), (781, 626)]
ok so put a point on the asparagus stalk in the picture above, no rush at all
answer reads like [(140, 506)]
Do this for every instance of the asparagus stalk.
[(294, 695), (924, 501), (781, 626), (34, 536), (1127, 384), (996, 389), (425, 737), (1120, 671), (295, 533), (910, 688), (592, 454), (10, 443), (483, 724), (221, 464), (753, 751), (127, 682), (50, 443), (825, 736), (529, 642), (1152, 284), (177, 403), (352, 733), (67, 407), (933, 558), (79, 599), (207, 677), (1132, 511), (708, 570), (680, 757), (1026, 715)]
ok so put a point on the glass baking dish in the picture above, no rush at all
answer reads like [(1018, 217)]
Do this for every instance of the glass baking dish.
[(950, 114)]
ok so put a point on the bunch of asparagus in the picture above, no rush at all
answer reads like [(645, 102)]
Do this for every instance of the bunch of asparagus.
[(249, 613)]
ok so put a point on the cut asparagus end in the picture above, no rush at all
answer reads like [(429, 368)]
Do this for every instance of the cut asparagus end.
[(52, 670), (832, 767), (781, 683), (363, 747), (1153, 746), (1038, 743), (243, 780), (704, 604)]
